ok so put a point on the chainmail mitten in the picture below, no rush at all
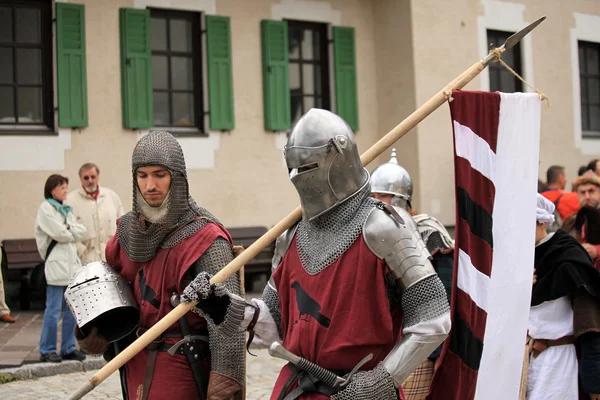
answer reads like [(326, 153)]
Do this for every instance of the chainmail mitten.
[(271, 299), (369, 385)]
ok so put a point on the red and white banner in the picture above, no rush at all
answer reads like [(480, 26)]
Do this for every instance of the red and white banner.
[(496, 151)]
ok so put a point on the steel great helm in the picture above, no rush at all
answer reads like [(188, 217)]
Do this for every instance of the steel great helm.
[(99, 297), (323, 161), (392, 178)]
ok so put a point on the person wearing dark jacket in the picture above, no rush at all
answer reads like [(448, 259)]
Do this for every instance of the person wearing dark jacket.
[(564, 316)]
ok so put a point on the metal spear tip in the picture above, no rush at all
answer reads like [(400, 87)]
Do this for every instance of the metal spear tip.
[(516, 38)]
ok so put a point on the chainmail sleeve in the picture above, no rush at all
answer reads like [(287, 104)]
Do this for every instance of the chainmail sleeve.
[(227, 349)]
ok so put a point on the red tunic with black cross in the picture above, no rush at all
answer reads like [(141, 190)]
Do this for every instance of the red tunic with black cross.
[(338, 316), (153, 284)]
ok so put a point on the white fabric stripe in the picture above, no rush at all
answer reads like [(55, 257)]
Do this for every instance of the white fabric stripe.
[(509, 294), (475, 150), (471, 281)]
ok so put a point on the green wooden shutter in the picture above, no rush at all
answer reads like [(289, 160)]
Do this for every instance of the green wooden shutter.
[(220, 75), (276, 75), (136, 68), (346, 96), (71, 66)]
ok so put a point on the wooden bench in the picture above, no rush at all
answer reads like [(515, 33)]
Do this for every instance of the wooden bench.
[(20, 257), (261, 264)]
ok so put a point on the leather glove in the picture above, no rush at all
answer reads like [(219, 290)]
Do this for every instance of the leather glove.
[(94, 343), (222, 387)]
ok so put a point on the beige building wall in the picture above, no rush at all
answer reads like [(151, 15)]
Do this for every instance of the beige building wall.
[(407, 50), (240, 176), (449, 36)]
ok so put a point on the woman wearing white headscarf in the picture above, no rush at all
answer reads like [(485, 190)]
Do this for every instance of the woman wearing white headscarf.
[(565, 311)]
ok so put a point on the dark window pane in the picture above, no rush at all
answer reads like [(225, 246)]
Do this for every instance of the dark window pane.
[(308, 77), (6, 65), (594, 90), (317, 45), (585, 117), (494, 80), (294, 76), (307, 46), (182, 77), (6, 27), (29, 66), (7, 105), (584, 90), (507, 82), (294, 37), (592, 60), (318, 102), (158, 33), (183, 109), (30, 105), (581, 59), (595, 118), (28, 25), (296, 107), (161, 109), (160, 75), (309, 103), (181, 35)]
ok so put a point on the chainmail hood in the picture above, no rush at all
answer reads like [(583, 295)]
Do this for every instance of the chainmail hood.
[(324, 239), (141, 239)]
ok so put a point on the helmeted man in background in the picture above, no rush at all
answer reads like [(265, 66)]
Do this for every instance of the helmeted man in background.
[(160, 246), (351, 278), (392, 184), (98, 209)]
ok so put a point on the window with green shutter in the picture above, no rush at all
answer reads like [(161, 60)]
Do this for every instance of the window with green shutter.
[(26, 72), (71, 65), (276, 79), (220, 77), (136, 68), (346, 96)]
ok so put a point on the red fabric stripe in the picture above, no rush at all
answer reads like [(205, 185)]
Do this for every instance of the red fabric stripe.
[(478, 110), (478, 249), (481, 190), (453, 380), (468, 311)]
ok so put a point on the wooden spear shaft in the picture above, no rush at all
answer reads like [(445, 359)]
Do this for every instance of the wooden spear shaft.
[(378, 148)]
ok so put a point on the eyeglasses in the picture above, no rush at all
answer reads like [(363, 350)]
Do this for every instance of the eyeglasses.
[(89, 177)]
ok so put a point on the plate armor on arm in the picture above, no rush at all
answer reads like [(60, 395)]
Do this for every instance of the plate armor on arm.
[(396, 240), (226, 348)]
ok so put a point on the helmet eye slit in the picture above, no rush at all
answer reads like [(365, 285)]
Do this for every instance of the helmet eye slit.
[(308, 167)]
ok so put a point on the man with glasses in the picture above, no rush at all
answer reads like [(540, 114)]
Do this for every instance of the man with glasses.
[(96, 208)]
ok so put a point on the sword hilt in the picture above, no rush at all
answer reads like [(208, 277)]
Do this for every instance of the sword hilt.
[(329, 378)]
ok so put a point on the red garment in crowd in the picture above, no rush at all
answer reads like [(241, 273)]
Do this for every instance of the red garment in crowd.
[(338, 316), (568, 203), (153, 284)]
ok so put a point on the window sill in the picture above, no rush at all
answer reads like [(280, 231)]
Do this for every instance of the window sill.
[(590, 135), (181, 132), (26, 130)]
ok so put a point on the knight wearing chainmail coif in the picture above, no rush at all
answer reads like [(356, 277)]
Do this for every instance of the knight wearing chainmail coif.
[(351, 278), (161, 246)]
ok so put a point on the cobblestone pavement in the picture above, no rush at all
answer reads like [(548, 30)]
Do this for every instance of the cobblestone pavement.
[(262, 372)]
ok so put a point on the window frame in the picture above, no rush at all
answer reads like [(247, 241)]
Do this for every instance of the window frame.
[(587, 46), (324, 62), (47, 69), (496, 68), (198, 69)]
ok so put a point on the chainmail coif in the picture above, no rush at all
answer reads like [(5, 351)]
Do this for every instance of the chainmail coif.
[(324, 239), (140, 239)]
